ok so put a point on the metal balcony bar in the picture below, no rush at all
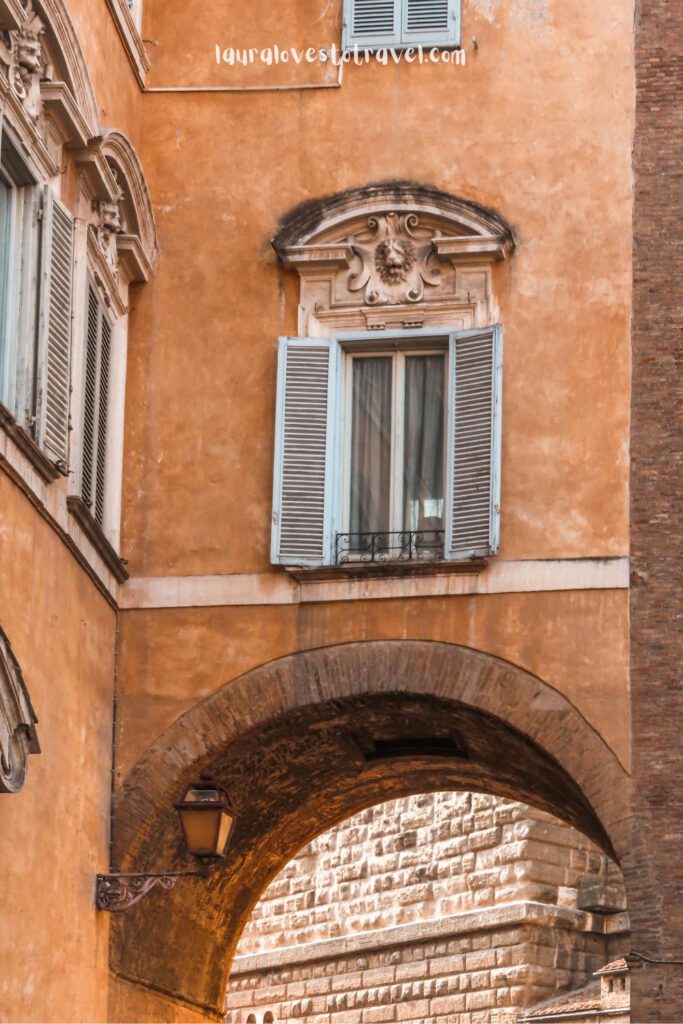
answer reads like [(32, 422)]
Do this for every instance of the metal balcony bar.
[(392, 546)]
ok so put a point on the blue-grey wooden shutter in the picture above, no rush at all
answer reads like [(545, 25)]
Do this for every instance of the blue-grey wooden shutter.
[(304, 468), (96, 407), (430, 22), (54, 325), (371, 23), (474, 441)]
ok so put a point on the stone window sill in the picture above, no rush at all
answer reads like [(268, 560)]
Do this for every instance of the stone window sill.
[(81, 513), (44, 467), (131, 38), (388, 570)]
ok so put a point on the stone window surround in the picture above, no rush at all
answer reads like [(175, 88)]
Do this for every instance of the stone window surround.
[(128, 24), (44, 116), (387, 258)]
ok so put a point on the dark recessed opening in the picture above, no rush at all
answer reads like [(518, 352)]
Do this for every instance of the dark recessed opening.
[(413, 746)]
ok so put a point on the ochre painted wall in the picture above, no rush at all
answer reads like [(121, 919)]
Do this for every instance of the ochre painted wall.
[(54, 833), (577, 642), (538, 126)]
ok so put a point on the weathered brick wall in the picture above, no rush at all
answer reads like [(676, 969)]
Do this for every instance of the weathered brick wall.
[(454, 904), (657, 512)]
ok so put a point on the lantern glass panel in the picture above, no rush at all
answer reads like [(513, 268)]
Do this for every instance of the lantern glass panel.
[(227, 821), (201, 828)]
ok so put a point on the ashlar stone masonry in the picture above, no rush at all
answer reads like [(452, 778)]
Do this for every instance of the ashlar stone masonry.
[(448, 907)]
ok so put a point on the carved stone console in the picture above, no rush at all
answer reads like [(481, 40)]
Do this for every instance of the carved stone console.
[(18, 720)]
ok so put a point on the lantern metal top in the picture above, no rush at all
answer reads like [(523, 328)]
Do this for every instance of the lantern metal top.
[(206, 785)]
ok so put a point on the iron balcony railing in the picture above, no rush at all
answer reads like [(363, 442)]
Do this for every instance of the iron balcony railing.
[(403, 546)]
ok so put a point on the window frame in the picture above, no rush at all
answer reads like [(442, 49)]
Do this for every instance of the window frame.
[(19, 329), (112, 474), (403, 38), (471, 528), (398, 353)]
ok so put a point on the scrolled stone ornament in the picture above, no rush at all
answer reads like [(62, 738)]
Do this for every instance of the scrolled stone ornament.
[(396, 261), (18, 737)]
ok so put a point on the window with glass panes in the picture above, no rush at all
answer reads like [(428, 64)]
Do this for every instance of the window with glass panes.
[(394, 453)]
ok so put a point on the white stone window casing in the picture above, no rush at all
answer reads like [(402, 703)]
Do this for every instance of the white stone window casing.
[(135, 8), (388, 438), (371, 24), (52, 253)]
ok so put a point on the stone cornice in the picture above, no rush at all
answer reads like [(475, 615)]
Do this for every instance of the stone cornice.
[(11, 14), (62, 108), (507, 915)]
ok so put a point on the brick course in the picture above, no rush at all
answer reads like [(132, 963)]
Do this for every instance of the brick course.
[(654, 871)]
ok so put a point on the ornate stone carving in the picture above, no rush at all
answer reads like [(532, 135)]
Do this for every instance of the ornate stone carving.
[(18, 736), (109, 222), (21, 50), (395, 255), (398, 260)]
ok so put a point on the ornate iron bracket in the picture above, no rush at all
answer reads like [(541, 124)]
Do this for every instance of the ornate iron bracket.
[(117, 892)]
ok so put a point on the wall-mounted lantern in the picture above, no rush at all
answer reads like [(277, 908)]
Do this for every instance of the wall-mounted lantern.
[(207, 819)]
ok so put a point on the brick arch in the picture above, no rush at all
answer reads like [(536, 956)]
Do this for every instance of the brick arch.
[(295, 741)]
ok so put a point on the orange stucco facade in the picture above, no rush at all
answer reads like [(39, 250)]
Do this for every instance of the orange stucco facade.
[(537, 125)]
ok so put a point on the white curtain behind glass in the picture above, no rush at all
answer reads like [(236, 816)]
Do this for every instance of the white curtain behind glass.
[(371, 445), (424, 443)]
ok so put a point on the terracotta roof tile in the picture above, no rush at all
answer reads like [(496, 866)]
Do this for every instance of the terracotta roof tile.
[(571, 1002), (614, 967)]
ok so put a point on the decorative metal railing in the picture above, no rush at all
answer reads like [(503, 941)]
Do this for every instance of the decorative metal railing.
[(403, 546)]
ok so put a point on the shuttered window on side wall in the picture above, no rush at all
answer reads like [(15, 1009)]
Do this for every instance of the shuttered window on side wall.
[(474, 441), (54, 345), (96, 407), (375, 23)]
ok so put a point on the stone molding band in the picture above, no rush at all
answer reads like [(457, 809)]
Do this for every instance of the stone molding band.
[(501, 916)]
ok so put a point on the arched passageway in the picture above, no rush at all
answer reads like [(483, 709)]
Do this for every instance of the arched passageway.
[(308, 740)]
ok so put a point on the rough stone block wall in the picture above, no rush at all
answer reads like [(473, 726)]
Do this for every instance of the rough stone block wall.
[(485, 977), (657, 512), (450, 906)]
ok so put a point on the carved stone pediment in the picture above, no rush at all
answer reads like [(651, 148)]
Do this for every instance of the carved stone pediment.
[(393, 255), (18, 736)]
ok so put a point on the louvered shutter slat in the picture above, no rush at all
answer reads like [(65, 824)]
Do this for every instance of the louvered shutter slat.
[(371, 23), (55, 326), (472, 523), (431, 22), (103, 422), (98, 344), (301, 504), (88, 470)]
